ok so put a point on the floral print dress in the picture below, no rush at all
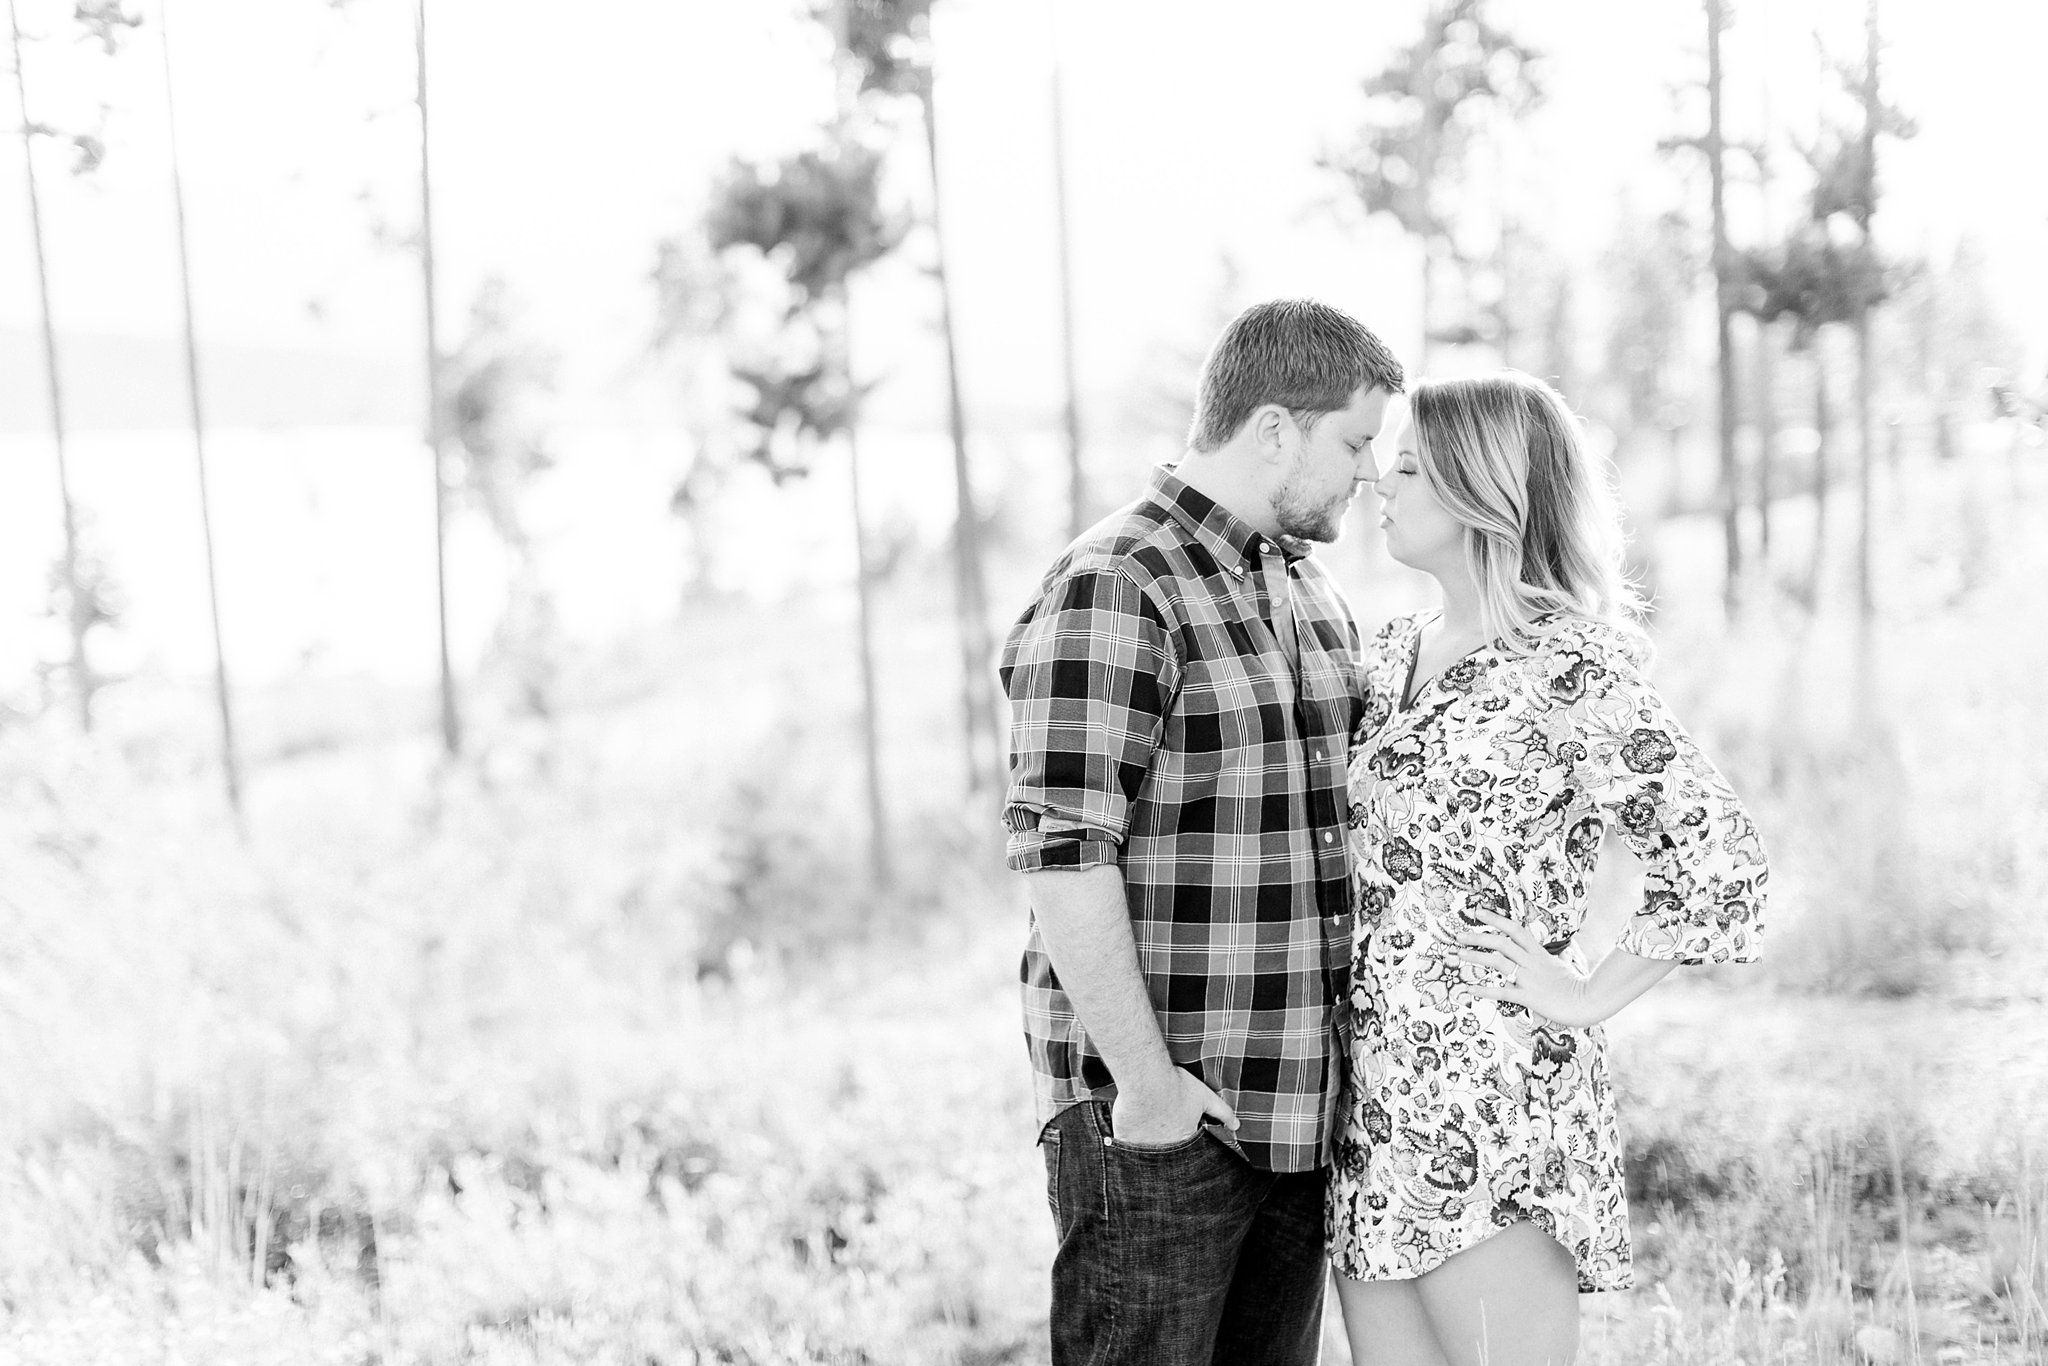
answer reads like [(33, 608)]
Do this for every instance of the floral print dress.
[(1492, 790)]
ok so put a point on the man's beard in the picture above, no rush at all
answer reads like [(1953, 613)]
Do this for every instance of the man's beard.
[(1309, 521)]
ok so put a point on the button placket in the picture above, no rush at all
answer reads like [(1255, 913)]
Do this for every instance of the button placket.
[(1280, 602)]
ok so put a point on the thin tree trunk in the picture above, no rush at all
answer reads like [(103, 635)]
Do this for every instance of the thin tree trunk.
[(1866, 442), (1823, 430), (230, 767), (1766, 334), (1558, 325), (1428, 301), (1675, 499), (1723, 310), (1429, 143), (1766, 440), (78, 610), (1646, 547), (880, 868), (1932, 383), (1504, 316), (451, 728), (2014, 450), (977, 692), (1077, 480)]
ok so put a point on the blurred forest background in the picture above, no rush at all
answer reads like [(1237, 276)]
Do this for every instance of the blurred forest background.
[(505, 516)]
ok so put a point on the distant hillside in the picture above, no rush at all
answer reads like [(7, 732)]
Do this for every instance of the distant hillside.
[(127, 382)]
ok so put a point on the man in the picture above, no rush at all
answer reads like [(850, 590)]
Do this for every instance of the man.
[(1182, 692)]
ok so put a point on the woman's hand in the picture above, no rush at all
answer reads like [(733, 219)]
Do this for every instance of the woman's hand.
[(1530, 975), (1548, 986)]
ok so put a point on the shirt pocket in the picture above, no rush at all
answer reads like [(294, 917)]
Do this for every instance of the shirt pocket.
[(1229, 727)]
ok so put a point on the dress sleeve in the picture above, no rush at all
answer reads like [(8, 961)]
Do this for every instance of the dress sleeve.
[(1091, 672), (1704, 895)]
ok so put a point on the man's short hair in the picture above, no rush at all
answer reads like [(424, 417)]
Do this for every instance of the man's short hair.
[(1307, 357)]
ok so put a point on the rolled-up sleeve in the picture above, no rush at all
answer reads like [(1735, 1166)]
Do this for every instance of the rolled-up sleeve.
[(1090, 671)]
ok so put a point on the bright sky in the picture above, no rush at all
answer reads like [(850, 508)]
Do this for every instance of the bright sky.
[(568, 139)]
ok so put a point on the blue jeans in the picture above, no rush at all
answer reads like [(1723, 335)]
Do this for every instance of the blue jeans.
[(1179, 1256)]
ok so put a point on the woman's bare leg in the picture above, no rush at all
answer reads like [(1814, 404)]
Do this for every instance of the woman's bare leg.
[(1386, 1323), (1512, 1300)]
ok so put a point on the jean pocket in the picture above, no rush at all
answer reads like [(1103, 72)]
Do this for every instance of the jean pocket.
[(1178, 1146), (1049, 1144)]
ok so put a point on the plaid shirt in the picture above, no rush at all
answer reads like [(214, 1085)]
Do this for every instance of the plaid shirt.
[(1157, 726)]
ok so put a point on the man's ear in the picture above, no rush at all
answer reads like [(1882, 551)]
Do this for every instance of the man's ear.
[(1270, 426)]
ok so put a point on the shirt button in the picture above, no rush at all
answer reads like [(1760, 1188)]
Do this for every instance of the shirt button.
[(1329, 835), (1237, 571), (1319, 754)]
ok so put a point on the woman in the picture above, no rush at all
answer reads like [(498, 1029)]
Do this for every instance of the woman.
[(1477, 1186)]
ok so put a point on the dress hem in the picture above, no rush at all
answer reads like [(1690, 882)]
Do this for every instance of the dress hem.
[(1342, 1268)]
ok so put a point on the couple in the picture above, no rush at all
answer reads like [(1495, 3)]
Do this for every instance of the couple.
[(1301, 990)]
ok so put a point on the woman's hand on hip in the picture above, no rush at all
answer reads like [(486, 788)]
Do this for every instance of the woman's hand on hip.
[(1525, 972)]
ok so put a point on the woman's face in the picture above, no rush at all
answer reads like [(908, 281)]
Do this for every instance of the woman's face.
[(1421, 533)]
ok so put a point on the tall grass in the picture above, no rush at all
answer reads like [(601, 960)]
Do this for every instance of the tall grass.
[(1896, 766), (490, 1068)]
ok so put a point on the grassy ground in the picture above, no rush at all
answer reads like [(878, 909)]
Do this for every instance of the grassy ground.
[(595, 1050)]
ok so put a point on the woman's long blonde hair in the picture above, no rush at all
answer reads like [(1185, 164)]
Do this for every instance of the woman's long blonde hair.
[(1542, 528)]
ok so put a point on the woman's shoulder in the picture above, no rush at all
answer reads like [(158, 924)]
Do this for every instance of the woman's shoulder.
[(1573, 641), (1403, 625), (1395, 635)]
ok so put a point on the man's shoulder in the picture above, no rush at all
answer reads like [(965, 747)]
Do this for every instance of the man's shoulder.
[(1140, 542), (1120, 567)]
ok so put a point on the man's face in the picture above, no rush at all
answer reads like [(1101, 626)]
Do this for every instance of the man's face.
[(1333, 460)]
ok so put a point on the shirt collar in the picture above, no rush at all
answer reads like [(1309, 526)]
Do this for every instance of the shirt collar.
[(1232, 540)]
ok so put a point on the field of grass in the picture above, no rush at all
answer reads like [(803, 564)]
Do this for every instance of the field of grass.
[(595, 1049)]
